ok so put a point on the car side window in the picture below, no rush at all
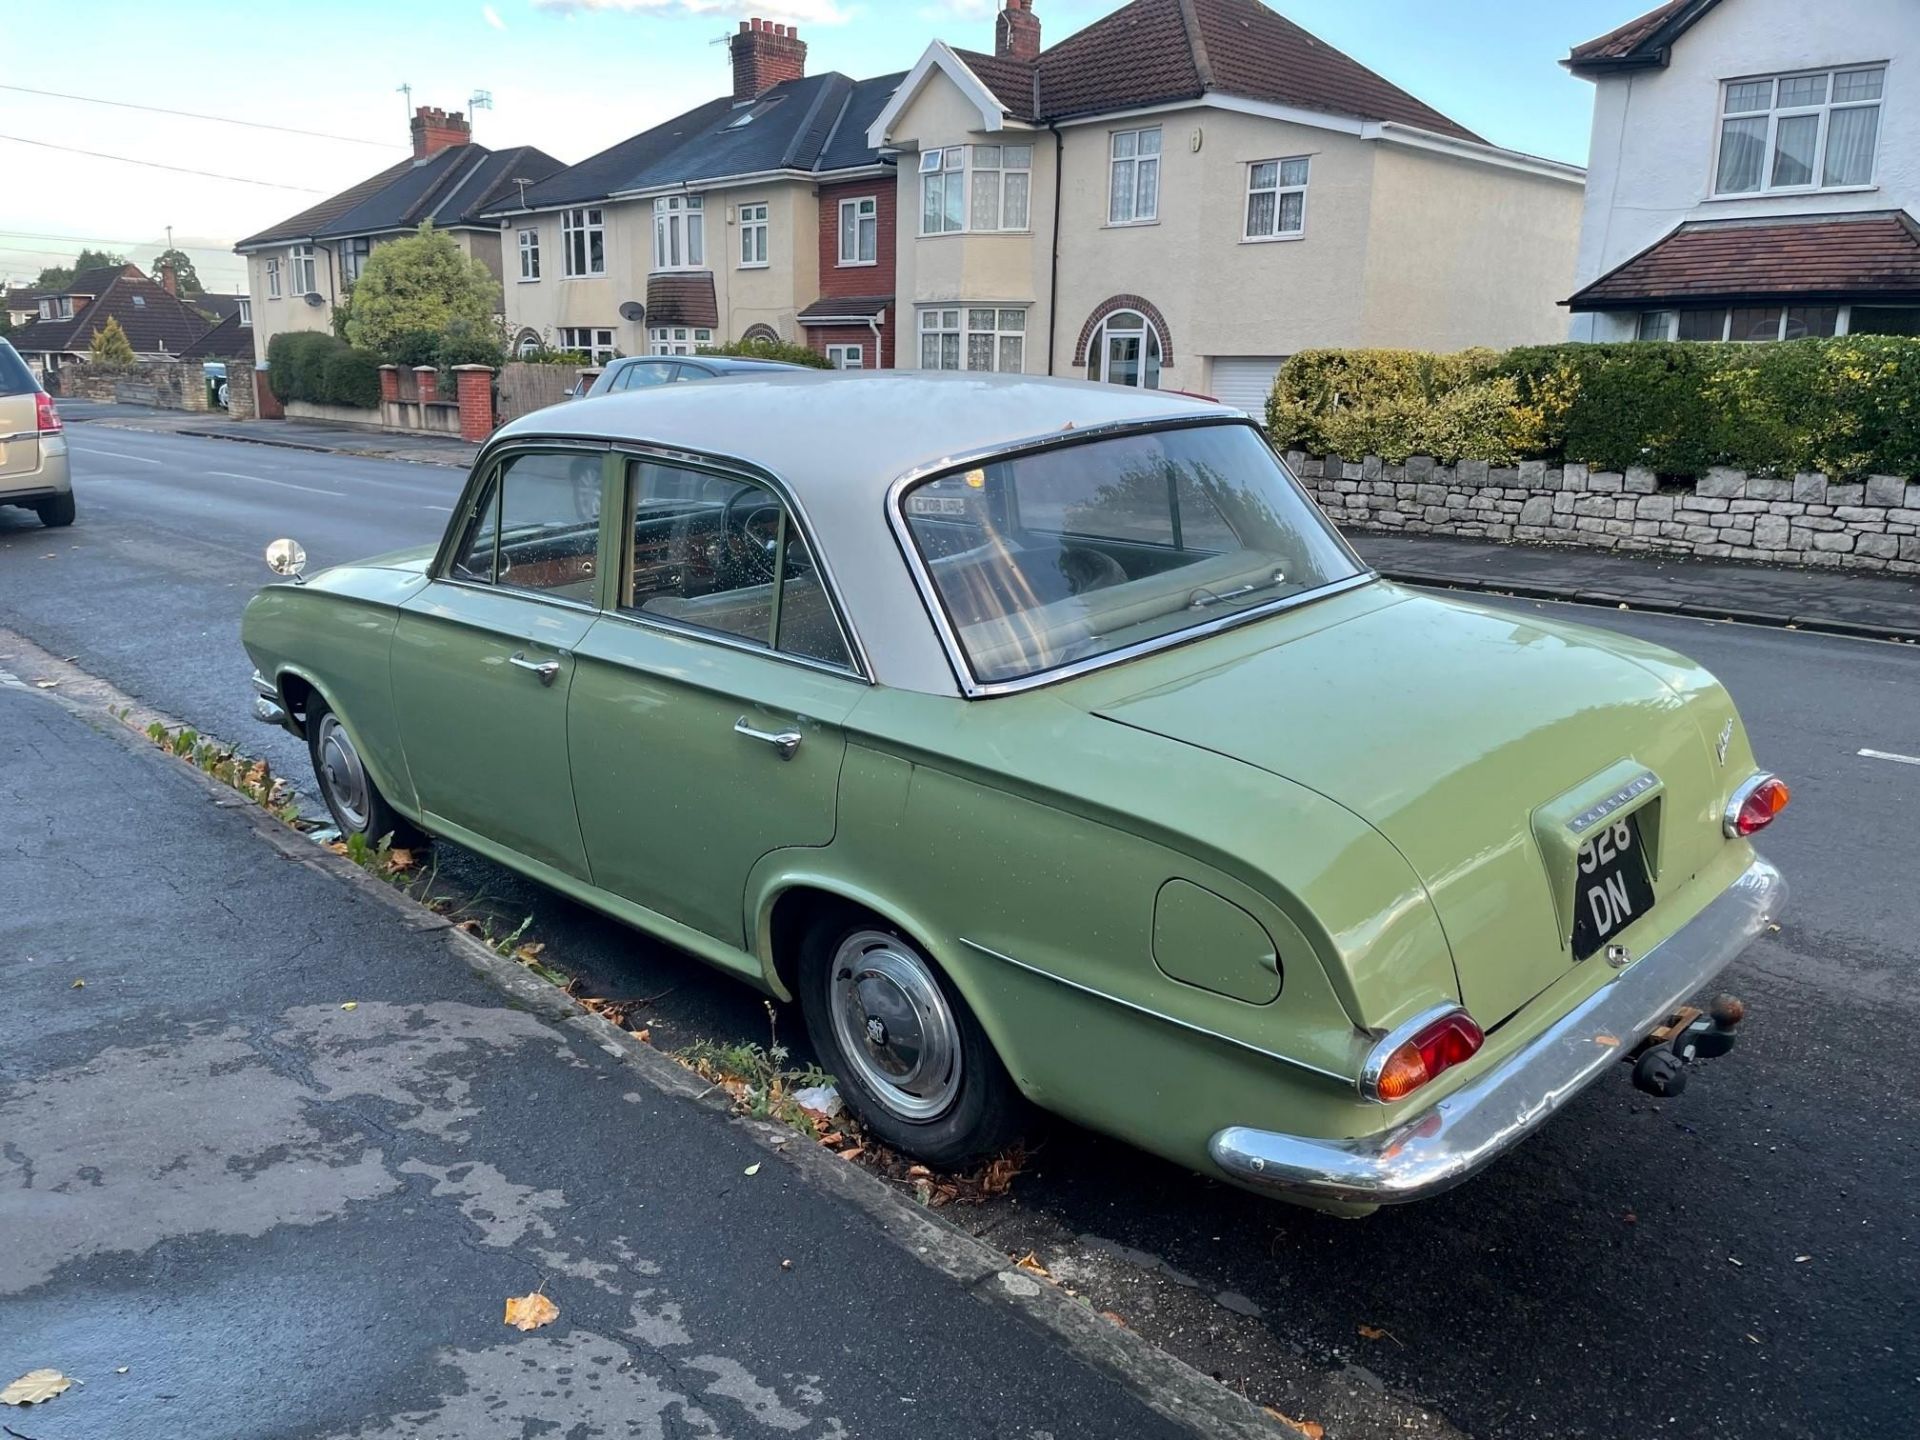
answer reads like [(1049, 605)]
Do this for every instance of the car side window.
[(639, 377), (723, 554), (536, 527)]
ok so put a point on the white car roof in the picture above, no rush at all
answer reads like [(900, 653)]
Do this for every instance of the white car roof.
[(839, 441)]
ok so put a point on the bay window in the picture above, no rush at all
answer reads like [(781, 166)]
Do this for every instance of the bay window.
[(1277, 199), (583, 242), (678, 339), (1799, 132), (973, 337), (1002, 187), (860, 231), (1133, 178), (943, 191), (679, 233)]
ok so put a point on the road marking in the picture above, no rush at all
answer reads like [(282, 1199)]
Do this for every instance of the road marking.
[(1889, 755), (283, 484), (116, 454)]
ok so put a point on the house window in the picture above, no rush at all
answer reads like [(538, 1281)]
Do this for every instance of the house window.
[(943, 191), (1884, 320), (529, 254), (847, 357), (301, 262), (66, 307), (678, 339), (973, 337), (246, 309), (679, 233), (597, 345), (273, 278), (1125, 350), (753, 236), (1002, 185), (1277, 199), (353, 258), (1133, 187), (46, 309), (1799, 132), (1748, 324), (583, 242), (860, 231)]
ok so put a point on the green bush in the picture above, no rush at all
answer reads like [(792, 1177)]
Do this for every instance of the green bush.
[(770, 350), (413, 348), (1845, 406), (468, 344), (313, 366)]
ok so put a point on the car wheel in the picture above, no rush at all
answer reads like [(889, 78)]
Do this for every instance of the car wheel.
[(911, 1061), (55, 511), (354, 801)]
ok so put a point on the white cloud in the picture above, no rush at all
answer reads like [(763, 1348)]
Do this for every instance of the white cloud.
[(809, 12), (492, 17)]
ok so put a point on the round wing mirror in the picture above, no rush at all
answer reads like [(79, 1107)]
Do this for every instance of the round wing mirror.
[(285, 557)]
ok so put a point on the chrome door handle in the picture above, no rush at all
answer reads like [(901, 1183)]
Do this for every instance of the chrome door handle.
[(784, 743), (545, 669)]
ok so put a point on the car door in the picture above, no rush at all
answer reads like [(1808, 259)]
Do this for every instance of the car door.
[(483, 656), (707, 706)]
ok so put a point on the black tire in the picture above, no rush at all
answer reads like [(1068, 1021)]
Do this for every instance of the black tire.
[(971, 1110), (351, 797), (56, 511)]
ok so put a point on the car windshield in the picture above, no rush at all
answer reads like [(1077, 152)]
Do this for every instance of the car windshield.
[(1081, 550)]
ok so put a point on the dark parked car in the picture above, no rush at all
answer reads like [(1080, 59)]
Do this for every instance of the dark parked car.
[(638, 372)]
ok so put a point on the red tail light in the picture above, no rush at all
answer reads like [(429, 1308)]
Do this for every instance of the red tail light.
[(1419, 1051), (44, 413), (1755, 803)]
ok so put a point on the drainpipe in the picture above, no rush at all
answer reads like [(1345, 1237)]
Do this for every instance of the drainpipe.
[(1053, 279), (874, 322)]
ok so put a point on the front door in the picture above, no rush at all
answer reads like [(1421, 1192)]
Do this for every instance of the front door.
[(707, 707), (484, 657)]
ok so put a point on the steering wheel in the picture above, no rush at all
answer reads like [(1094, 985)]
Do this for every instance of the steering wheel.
[(1089, 569), (758, 546)]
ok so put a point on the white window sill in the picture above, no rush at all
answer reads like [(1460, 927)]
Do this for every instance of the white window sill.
[(1271, 239), (1130, 224), (976, 234), (857, 264), (684, 270), (528, 280), (757, 265), (1800, 193), (592, 275)]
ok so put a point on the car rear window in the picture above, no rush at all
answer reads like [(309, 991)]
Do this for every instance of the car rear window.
[(1083, 550), (15, 377)]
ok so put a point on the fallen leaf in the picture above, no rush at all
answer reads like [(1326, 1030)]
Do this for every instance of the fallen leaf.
[(753, 1169), (400, 859), (1030, 1263), (853, 1153), (1374, 1332), (1312, 1429), (643, 1036), (1605, 1039), (351, 1005), (1109, 1315), (530, 1312), (527, 954), (78, 985), (35, 1386), (918, 1172)]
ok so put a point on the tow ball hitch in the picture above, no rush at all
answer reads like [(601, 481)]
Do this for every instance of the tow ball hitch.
[(1660, 1061)]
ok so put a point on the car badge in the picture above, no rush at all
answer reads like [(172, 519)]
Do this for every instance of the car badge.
[(1726, 739)]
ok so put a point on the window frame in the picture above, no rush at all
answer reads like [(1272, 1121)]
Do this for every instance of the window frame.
[(273, 277), (467, 513), (246, 310), (299, 256), (965, 330), (528, 243), (1776, 112), (1148, 331), (593, 351), (751, 225), (674, 227), (357, 249), (1133, 160), (947, 168), (1670, 321), (837, 354), (1279, 190), (860, 222), (580, 233), (626, 455), (674, 337)]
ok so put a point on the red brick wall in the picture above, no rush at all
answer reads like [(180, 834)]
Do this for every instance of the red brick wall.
[(858, 280)]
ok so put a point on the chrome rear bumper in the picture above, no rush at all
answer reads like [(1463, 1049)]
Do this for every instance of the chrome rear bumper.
[(1436, 1150)]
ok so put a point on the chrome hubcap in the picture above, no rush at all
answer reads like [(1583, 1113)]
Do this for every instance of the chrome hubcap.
[(344, 777), (894, 1024)]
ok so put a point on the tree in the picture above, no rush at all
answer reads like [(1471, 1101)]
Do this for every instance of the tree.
[(423, 284), (110, 344), (185, 278), (59, 277)]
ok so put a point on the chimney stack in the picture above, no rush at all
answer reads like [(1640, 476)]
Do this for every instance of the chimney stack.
[(435, 130), (1016, 36), (765, 55), (167, 282)]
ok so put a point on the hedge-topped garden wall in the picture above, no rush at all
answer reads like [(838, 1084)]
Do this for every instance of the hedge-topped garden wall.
[(1845, 408)]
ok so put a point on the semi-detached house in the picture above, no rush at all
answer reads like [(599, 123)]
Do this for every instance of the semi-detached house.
[(763, 213)]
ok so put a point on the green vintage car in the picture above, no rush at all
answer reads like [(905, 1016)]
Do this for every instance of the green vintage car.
[(1044, 743)]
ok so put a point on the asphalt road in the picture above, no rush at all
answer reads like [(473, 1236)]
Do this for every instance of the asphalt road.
[(1741, 1261)]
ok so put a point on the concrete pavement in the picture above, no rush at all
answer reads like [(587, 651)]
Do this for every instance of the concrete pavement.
[(271, 1164)]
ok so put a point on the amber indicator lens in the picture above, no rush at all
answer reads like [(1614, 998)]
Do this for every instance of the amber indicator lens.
[(1449, 1041), (1768, 799)]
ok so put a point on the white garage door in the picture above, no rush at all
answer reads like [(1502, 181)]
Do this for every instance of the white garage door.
[(1245, 381)]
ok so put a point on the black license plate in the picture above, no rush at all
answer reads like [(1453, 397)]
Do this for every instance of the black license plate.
[(1610, 888)]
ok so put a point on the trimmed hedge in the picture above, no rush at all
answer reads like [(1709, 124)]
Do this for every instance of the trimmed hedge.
[(771, 350), (1842, 407), (313, 366)]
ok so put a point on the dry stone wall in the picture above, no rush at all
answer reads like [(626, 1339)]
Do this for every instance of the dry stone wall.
[(1872, 524)]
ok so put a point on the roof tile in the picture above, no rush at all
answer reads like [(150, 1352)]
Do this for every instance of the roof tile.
[(1807, 257)]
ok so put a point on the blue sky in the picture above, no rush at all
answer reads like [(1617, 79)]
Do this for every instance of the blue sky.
[(573, 76)]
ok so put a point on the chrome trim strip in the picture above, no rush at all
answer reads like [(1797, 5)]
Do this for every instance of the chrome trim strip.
[(1730, 817), (27, 435), (1440, 1147), (1151, 1014), (1369, 1081), (957, 658), (668, 625)]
